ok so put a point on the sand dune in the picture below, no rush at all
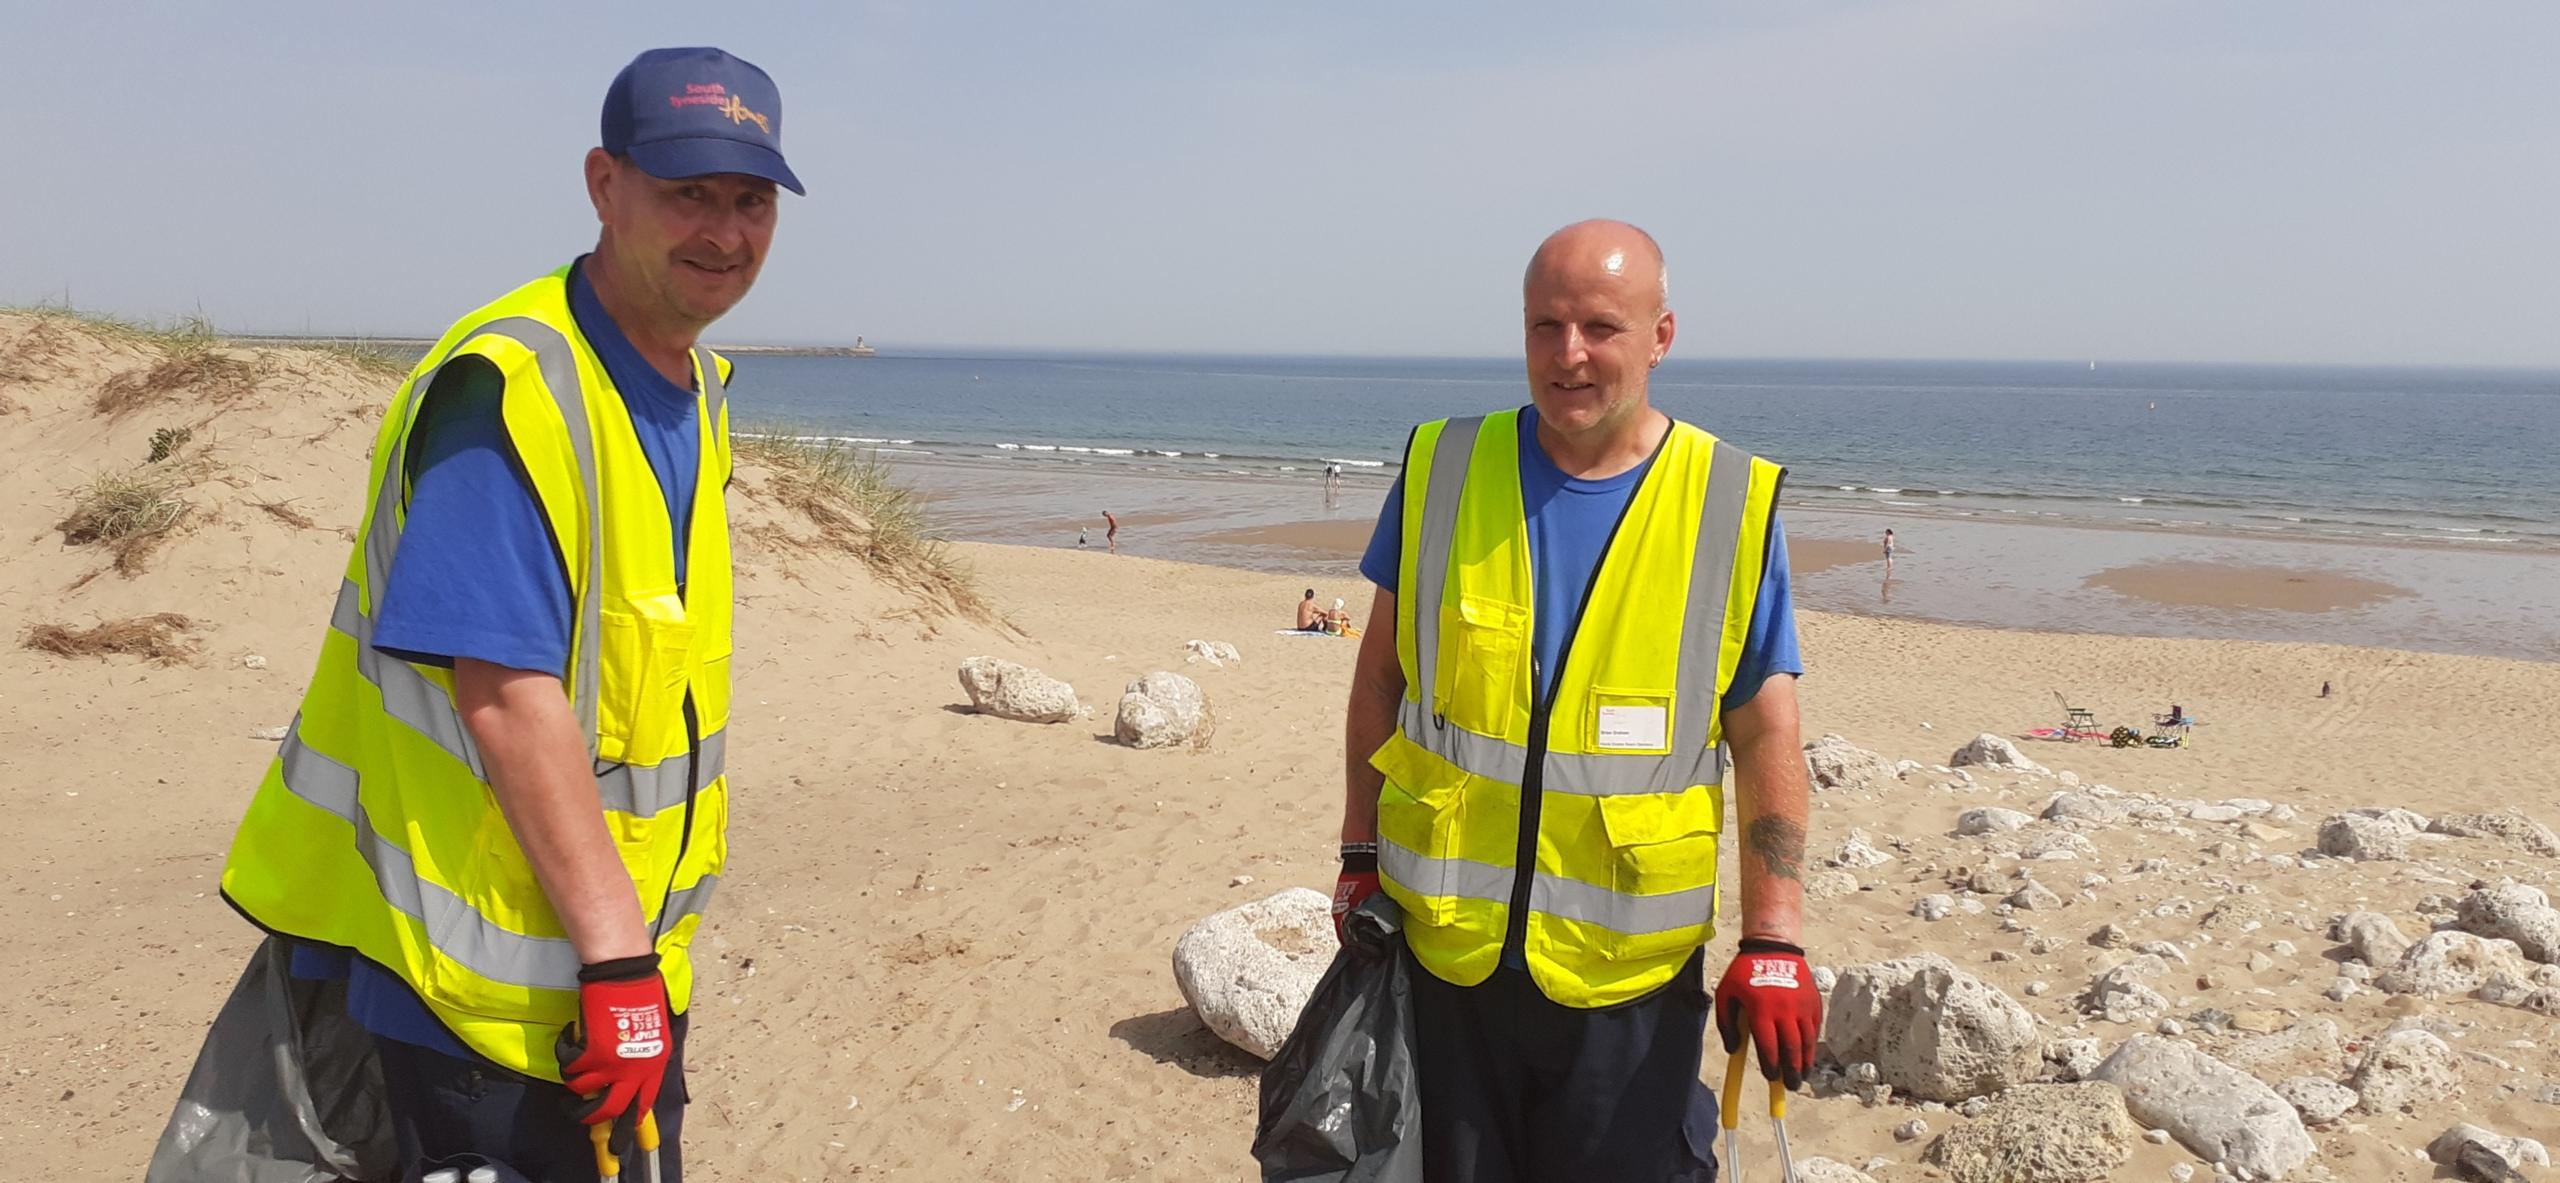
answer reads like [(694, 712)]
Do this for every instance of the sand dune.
[(941, 952)]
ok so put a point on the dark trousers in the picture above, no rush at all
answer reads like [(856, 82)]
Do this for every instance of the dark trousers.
[(1518, 1089), (469, 1112)]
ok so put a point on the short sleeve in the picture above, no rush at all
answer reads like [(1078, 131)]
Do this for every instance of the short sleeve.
[(1769, 648), (1385, 556), (477, 574)]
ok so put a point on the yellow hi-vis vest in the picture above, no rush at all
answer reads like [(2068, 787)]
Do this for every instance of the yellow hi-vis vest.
[(375, 828), (1614, 852)]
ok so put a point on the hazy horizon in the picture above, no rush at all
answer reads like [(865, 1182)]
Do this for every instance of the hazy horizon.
[(2292, 183)]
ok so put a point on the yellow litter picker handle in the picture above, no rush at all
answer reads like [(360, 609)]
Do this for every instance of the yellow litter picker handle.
[(1733, 1091), (1778, 1100), (600, 1135)]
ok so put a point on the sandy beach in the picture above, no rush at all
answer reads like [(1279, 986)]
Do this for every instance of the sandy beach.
[(941, 951)]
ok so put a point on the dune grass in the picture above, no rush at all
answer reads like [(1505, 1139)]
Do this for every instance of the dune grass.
[(160, 638), (129, 513), (860, 508)]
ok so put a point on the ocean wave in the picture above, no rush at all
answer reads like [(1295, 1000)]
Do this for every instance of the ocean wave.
[(1356, 463)]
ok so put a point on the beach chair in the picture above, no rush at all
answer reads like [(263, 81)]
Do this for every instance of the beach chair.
[(2077, 722)]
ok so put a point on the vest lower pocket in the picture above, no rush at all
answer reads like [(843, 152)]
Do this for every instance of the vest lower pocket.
[(640, 691), (1426, 824), (1662, 868)]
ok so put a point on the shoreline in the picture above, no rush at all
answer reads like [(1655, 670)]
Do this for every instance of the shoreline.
[(2074, 578)]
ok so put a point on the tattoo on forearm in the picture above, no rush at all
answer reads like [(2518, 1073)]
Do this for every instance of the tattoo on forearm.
[(1780, 845)]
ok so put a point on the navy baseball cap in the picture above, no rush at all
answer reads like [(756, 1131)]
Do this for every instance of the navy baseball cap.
[(692, 112)]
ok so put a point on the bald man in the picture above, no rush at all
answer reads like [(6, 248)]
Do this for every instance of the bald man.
[(1582, 607)]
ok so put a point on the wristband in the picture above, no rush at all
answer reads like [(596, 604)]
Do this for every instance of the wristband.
[(620, 969), (1767, 945)]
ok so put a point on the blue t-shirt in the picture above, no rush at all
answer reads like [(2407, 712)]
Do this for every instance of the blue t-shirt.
[(1570, 521), (477, 575)]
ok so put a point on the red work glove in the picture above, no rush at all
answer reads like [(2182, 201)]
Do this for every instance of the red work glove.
[(615, 1055), (1359, 881), (1768, 993)]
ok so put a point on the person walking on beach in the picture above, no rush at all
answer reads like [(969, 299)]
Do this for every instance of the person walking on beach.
[(498, 815), (1111, 532), (1535, 740), (1888, 552)]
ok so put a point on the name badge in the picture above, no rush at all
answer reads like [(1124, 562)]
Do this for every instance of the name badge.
[(1635, 728)]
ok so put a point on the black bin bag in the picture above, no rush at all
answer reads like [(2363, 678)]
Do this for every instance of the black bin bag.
[(1339, 1101), (286, 1090)]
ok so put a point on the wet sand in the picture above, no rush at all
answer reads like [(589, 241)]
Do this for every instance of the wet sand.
[(2232, 585)]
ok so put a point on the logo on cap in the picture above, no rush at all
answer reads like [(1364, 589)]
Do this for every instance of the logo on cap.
[(718, 98)]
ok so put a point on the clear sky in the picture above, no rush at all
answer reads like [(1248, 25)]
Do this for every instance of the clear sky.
[(2320, 181)]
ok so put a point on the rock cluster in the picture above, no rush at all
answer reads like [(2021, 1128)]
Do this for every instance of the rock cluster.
[(1162, 709)]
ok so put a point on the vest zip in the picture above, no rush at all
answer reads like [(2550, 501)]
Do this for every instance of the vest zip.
[(1524, 868), (692, 724), (692, 786)]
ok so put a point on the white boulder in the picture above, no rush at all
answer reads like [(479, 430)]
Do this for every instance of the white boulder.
[(1162, 709), (1857, 851), (2319, 1101), (2404, 1069), (1992, 751), (2040, 1133), (1933, 1031), (1817, 1169), (2375, 940), (1838, 764), (2513, 828), (2363, 838), (2118, 994), (1989, 819), (2515, 912), (2220, 1113), (2452, 962), (1218, 654), (2517, 1153), (1247, 971), (1011, 690)]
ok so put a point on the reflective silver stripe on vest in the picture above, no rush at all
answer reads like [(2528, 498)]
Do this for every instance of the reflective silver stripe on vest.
[(1572, 899), (1695, 757), (1439, 530), (646, 792), (459, 931), (407, 695), (715, 388), (1445, 876), (382, 541), (1710, 590)]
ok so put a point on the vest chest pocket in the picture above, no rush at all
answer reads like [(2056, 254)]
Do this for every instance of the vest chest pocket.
[(1476, 682), (647, 654)]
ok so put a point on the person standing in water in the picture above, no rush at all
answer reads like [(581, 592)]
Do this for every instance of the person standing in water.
[(1888, 553), (1110, 532)]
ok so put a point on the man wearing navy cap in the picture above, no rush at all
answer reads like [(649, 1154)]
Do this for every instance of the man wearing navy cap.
[(500, 813)]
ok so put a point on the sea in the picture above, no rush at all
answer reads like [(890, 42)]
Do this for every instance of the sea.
[(2021, 492), (2461, 457)]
